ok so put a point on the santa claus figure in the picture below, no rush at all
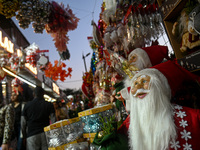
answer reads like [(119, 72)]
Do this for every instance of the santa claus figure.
[(148, 56), (155, 123), (143, 58)]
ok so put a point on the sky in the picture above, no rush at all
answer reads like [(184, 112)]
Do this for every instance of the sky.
[(86, 11)]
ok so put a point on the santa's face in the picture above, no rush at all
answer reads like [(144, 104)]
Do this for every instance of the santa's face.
[(133, 59), (137, 62), (140, 86)]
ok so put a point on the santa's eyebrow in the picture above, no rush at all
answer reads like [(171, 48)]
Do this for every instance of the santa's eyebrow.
[(143, 76)]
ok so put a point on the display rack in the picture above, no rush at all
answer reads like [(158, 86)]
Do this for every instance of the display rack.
[(170, 11)]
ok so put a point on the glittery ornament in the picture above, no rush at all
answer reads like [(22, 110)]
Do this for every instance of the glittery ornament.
[(37, 12), (61, 21), (100, 134), (9, 8), (92, 122)]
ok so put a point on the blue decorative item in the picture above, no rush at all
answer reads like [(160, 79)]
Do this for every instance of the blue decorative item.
[(91, 118)]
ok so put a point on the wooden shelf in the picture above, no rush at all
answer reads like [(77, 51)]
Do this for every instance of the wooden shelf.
[(175, 12), (189, 59), (173, 40), (191, 62), (169, 21)]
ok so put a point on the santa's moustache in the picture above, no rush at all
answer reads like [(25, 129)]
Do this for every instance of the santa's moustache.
[(141, 91), (151, 121)]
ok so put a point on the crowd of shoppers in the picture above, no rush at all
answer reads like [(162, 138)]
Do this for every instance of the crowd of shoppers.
[(22, 121)]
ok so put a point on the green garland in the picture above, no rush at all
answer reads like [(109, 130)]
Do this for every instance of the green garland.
[(109, 124)]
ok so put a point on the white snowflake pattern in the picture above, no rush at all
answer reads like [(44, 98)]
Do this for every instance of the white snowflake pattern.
[(181, 114), (183, 123), (186, 135), (187, 146), (178, 107), (175, 144)]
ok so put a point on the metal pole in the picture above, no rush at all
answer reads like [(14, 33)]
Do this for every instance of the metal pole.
[(84, 60)]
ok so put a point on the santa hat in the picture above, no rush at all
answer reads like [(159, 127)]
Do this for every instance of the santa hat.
[(170, 72), (155, 54)]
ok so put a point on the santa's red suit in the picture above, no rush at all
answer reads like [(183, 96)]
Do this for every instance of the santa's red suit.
[(187, 121)]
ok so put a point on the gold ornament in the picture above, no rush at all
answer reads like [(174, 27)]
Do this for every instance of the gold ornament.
[(129, 69), (100, 134)]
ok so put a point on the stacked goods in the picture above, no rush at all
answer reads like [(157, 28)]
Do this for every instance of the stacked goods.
[(63, 133), (91, 120)]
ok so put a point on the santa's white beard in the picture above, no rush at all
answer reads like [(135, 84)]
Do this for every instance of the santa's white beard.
[(151, 121)]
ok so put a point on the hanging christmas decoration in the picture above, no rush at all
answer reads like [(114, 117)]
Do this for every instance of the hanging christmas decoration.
[(31, 54), (16, 82), (57, 72), (14, 62), (3, 60), (130, 25), (87, 84), (109, 13), (43, 14), (92, 43), (43, 59), (61, 21), (97, 35), (93, 63), (64, 55), (8, 8), (35, 12)]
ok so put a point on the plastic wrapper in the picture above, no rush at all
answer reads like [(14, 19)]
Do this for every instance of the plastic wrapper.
[(91, 118), (64, 132), (77, 146), (54, 135), (72, 129)]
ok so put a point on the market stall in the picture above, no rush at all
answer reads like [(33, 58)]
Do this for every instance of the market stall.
[(18, 61), (124, 31)]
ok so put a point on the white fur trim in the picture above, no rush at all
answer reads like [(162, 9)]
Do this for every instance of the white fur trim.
[(70, 96)]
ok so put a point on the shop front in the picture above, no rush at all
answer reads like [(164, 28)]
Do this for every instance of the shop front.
[(14, 66)]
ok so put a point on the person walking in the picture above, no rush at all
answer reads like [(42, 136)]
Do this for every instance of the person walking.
[(18, 104), (6, 124), (35, 117)]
